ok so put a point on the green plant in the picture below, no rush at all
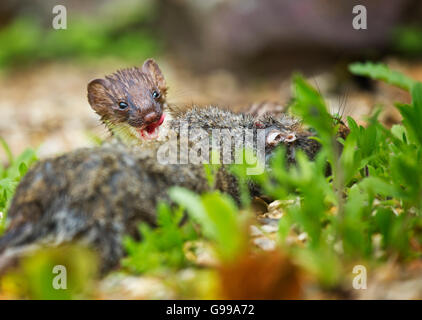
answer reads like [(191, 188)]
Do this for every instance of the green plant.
[(11, 175), (162, 247), (379, 71), (73, 268), (408, 40), (118, 32), (218, 217), (375, 188)]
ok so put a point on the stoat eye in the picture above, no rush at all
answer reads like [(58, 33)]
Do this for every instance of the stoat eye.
[(123, 105), (155, 94)]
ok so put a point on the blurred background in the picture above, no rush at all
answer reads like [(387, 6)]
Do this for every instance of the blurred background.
[(233, 53)]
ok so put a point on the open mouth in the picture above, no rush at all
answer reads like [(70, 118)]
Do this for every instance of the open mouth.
[(150, 132)]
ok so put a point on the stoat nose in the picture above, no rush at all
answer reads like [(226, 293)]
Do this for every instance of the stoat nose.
[(151, 117)]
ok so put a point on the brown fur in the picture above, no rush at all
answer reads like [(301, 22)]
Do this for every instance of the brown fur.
[(135, 87)]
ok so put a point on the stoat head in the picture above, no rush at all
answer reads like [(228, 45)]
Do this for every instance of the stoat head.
[(132, 99)]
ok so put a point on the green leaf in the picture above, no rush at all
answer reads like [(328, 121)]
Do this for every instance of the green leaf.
[(310, 106), (384, 219), (379, 71), (224, 215), (7, 150), (23, 168), (399, 132), (161, 248), (412, 114), (195, 208), (218, 217)]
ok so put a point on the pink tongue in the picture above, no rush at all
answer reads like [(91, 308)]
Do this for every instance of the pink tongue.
[(150, 129)]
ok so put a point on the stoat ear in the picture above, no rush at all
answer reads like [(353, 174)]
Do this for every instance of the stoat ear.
[(151, 68), (98, 96)]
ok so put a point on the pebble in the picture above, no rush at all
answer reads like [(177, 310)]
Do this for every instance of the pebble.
[(303, 237), (200, 253), (274, 210), (268, 221), (270, 228), (255, 231), (264, 243), (132, 287)]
